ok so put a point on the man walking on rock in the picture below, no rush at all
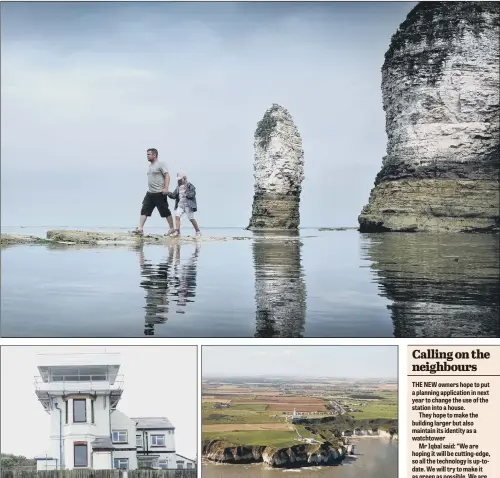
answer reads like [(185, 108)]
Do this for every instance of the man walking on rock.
[(156, 197)]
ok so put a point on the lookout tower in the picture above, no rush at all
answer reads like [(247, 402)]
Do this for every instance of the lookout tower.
[(79, 392)]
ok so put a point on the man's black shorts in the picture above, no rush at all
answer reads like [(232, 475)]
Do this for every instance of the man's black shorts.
[(158, 200)]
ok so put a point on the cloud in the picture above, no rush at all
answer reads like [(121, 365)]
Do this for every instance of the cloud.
[(86, 90)]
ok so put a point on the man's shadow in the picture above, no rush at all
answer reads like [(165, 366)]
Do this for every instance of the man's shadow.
[(168, 284)]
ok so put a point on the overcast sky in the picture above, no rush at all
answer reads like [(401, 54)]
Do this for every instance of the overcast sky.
[(158, 381), (359, 362), (88, 87)]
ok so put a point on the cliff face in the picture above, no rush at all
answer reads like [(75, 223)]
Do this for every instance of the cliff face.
[(440, 87), (278, 172), (225, 452), (295, 456)]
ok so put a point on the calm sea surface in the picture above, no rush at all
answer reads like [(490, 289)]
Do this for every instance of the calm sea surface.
[(377, 458), (328, 284)]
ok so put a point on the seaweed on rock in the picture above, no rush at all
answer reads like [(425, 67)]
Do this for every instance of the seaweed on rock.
[(266, 126)]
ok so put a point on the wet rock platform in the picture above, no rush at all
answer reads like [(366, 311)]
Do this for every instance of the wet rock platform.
[(63, 236)]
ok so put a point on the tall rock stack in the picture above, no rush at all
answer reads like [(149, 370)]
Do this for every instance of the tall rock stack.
[(440, 86), (278, 171)]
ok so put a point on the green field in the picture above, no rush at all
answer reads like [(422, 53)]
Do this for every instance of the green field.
[(211, 416), (228, 396), (386, 408), (277, 438), (383, 405), (305, 433)]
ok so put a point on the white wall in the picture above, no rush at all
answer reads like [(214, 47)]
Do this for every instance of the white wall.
[(120, 421), (46, 465), (82, 432), (101, 460), (130, 455), (104, 423), (169, 440), (166, 453)]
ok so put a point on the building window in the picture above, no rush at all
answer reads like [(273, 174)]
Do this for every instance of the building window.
[(189, 465), (157, 440), (145, 463), (66, 411), (92, 410), (81, 456), (163, 464), (120, 436), (120, 463), (180, 465), (79, 410), (138, 441)]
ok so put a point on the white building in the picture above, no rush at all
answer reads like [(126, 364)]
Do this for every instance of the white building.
[(81, 392)]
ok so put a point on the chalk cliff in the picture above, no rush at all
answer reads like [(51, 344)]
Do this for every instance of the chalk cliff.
[(440, 88), (296, 456), (278, 171)]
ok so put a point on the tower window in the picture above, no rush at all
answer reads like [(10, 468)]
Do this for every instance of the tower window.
[(79, 410), (81, 455)]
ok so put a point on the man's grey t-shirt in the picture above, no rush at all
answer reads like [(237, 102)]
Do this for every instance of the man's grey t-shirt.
[(156, 176)]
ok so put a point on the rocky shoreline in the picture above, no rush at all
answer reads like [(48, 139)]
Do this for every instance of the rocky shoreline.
[(77, 237), (295, 456), (432, 205), (73, 237)]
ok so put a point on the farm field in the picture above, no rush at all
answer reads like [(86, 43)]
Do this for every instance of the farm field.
[(276, 438), (384, 407), (246, 427), (215, 399), (261, 416)]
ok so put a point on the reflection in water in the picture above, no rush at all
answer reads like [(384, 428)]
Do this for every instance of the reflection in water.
[(169, 283), (441, 285), (280, 289)]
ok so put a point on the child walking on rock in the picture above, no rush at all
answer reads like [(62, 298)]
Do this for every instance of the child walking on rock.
[(185, 203)]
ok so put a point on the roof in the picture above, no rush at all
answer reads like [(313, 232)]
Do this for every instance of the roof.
[(102, 443), (152, 423)]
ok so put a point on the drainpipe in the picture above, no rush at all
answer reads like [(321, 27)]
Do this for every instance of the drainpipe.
[(110, 432), (60, 436)]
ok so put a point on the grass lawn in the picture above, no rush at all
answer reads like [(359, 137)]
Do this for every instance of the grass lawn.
[(377, 409), (277, 438), (232, 415), (305, 433)]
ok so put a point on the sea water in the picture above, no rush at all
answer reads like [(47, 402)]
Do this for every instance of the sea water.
[(327, 284), (376, 458)]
